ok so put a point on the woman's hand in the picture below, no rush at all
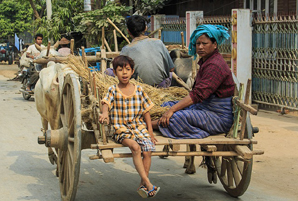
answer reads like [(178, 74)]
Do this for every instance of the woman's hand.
[(164, 121)]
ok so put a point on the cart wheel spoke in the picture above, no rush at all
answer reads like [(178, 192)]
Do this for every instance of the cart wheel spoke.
[(223, 167), (230, 174), (236, 174)]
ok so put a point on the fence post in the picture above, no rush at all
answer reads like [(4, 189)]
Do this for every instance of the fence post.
[(241, 61), (191, 22), (156, 21)]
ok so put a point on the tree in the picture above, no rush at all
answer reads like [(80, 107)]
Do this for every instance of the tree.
[(14, 18), (91, 23), (148, 7), (62, 18)]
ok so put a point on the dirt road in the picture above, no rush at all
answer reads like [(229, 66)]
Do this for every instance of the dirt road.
[(26, 173)]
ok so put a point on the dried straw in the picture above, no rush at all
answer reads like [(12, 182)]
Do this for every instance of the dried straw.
[(103, 82)]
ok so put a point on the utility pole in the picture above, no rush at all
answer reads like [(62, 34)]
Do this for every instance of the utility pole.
[(49, 12), (49, 9)]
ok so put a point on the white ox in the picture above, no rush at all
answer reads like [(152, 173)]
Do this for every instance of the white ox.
[(47, 97)]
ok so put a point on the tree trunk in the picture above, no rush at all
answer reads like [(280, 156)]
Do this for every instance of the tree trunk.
[(98, 4), (36, 15)]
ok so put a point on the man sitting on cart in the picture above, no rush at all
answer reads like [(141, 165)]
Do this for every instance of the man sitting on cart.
[(153, 64), (207, 110)]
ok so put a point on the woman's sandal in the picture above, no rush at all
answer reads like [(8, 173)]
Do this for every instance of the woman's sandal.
[(142, 192), (156, 189)]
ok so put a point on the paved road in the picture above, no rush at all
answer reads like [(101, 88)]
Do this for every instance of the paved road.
[(26, 173)]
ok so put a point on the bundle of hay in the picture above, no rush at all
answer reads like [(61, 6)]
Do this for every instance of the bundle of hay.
[(103, 82)]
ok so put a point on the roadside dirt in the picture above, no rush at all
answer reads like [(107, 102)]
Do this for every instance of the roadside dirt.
[(274, 174), (8, 71)]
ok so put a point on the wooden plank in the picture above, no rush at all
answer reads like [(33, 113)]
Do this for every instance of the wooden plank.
[(182, 39), (209, 148), (71, 46), (237, 117), (96, 132), (153, 32), (211, 140), (172, 153), (175, 147), (115, 40), (107, 45), (89, 58), (102, 38), (163, 153), (48, 48), (244, 112), (118, 30), (247, 107), (103, 65), (180, 81), (244, 151), (107, 155)]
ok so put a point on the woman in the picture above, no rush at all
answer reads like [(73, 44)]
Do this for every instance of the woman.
[(207, 110)]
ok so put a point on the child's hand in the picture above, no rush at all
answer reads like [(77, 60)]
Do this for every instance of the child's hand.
[(153, 139), (103, 117)]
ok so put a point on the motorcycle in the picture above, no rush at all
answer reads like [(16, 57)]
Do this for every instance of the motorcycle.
[(25, 76)]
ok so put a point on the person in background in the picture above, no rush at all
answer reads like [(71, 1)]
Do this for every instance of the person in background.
[(64, 50), (153, 63), (208, 109), (32, 52)]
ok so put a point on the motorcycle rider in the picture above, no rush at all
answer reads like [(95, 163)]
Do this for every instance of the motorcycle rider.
[(32, 53)]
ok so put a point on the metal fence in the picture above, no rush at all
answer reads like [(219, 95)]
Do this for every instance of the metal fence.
[(275, 61), (220, 20), (172, 28)]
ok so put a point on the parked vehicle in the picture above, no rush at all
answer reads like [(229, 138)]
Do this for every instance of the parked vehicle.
[(6, 53)]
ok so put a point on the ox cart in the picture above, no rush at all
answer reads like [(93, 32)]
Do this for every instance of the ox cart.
[(229, 158)]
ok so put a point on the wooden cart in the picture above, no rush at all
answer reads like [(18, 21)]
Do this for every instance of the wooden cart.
[(230, 158)]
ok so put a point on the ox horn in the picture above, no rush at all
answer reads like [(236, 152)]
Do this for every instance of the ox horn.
[(38, 47), (56, 45)]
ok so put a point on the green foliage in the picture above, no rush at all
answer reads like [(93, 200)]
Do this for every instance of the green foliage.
[(91, 23), (15, 17), (61, 20), (148, 7)]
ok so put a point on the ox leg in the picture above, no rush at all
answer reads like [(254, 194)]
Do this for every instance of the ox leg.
[(51, 154), (187, 158), (191, 169)]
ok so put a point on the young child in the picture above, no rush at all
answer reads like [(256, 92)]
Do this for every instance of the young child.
[(129, 106)]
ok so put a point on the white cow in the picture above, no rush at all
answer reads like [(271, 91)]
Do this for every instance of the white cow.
[(47, 97)]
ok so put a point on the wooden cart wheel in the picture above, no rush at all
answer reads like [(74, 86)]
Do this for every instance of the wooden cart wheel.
[(234, 172), (69, 157)]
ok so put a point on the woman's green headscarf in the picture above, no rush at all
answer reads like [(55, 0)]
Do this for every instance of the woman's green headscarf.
[(220, 33)]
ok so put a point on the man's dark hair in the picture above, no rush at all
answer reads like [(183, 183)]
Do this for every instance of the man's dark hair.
[(122, 61), (136, 25), (38, 35)]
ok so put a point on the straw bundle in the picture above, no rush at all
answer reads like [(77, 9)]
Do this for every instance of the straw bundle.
[(103, 82)]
